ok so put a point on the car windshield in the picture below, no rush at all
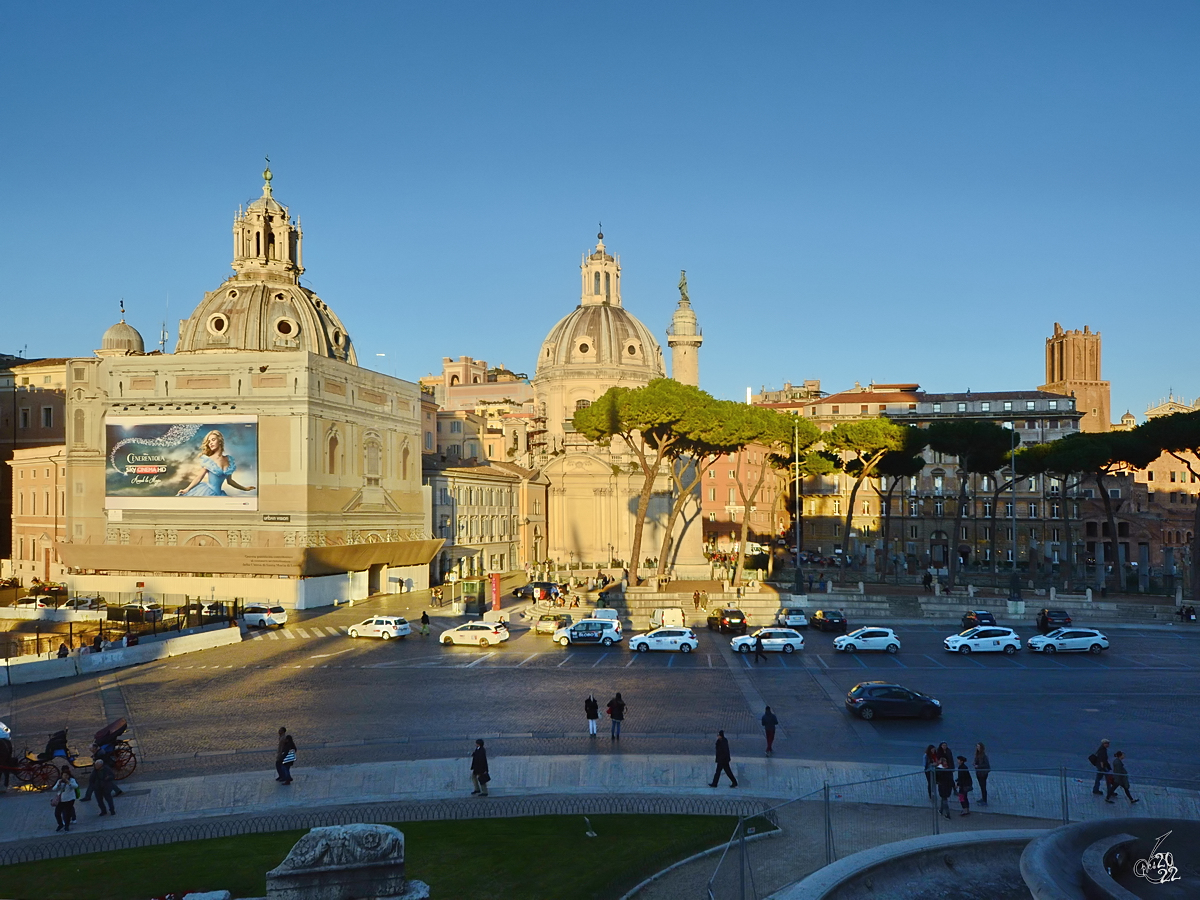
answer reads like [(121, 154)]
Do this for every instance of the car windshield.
[(856, 633), (1057, 632), (968, 633)]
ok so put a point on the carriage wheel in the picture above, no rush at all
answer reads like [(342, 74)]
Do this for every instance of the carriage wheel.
[(39, 776), (124, 761)]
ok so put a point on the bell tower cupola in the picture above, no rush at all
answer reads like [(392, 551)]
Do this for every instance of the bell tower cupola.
[(266, 242), (601, 277)]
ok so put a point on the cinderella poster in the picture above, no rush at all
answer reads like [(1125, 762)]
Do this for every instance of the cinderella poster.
[(156, 462)]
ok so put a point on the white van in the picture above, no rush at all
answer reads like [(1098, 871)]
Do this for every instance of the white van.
[(671, 616), (609, 614)]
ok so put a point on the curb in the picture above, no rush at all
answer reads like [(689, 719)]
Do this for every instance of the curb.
[(711, 851)]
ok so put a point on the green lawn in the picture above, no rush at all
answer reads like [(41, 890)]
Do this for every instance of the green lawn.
[(535, 858)]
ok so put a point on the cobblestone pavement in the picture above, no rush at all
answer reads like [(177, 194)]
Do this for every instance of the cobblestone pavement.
[(368, 700)]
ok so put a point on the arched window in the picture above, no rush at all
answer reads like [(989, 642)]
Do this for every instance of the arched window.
[(453, 380), (596, 284), (331, 460), (607, 284), (271, 245), (582, 404), (371, 462), (258, 243)]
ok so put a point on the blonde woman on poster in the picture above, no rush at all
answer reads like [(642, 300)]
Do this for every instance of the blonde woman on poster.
[(214, 470)]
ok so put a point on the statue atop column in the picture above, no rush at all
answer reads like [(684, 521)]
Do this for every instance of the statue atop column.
[(683, 291)]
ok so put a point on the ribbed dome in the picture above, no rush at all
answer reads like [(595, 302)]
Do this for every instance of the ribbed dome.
[(601, 336), (123, 337)]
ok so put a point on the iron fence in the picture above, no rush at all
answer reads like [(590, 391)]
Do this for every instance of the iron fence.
[(840, 819)]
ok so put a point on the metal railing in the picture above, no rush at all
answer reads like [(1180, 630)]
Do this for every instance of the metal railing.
[(837, 820)]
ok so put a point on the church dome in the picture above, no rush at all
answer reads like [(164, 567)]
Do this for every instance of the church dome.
[(600, 334), (124, 338), (263, 305)]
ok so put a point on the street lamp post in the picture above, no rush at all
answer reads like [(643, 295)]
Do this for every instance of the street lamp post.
[(798, 588)]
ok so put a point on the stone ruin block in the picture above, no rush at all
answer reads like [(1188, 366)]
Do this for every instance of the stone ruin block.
[(345, 862)]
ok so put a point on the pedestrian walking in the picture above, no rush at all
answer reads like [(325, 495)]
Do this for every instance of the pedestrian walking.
[(1119, 779), (616, 712), (965, 785), (758, 648), (927, 582), (1099, 759), (944, 775), (100, 783), (931, 761), (696, 603), (769, 723), (591, 709), (983, 768), (723, 760), (62, 797), (285, 756), (424, 623), (945, 755), (8, 762), (479, 769)]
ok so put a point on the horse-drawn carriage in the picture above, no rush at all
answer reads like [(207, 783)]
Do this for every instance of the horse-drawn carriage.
[(38, 771)]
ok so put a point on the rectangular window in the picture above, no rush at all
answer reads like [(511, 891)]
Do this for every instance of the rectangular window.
[(837, 507), (1054, 404), (962, 407), (883, 407), (914, 508), (864, 409), (987, 508), (912, 532), (937, 407), (1054, 535), (47, 416), (1007, 405), (732, 495), (939, 507), (985, 406), (712, 473), (712, 517), (24, 419), (1029, 404), (1033, 510), (712, 494), (837, 530), (987, 532), (1114, 493), (1055, 512), (963, 536), (836, 410), (1008, 510)]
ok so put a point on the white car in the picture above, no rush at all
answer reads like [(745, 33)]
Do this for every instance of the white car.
[(481, 634), (1066, 639), (869, 637), (85, 603), (386, 627), (672, 637), (984, 639), (777, 640), (792, 617), (264, 616), (37, 601)]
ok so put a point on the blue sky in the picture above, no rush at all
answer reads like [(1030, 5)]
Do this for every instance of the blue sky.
[(891, 191)]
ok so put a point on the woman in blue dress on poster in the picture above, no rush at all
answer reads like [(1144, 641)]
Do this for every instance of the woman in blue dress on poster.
[(214, 471)]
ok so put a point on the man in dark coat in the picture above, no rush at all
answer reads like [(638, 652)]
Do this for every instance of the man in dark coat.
[(101, 783), (1099, 759), (965, 785), (283, 765), (944, 775), (723, 759), (616, 712), (479, 769), (769, 723), (758, 648)]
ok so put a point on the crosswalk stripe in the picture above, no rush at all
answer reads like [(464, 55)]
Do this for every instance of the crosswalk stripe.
[(302, 632), (288, 634), (273, 635)]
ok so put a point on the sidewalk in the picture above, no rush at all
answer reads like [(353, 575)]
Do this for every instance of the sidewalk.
[(150, 805)]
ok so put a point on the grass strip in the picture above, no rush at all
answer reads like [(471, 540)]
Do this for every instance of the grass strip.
[(532, 858)]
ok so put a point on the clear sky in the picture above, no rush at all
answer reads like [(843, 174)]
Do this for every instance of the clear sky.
[(860, 191)]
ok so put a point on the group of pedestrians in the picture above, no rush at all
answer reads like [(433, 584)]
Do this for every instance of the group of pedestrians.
[(942, 775), (1113, 773), (615, 711), (102, 784)]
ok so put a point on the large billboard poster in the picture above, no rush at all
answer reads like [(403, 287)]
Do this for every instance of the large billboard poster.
[(181, 462)]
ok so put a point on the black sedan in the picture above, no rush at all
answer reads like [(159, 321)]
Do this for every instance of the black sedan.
[(829, 620), (882, 698), (1050, 619), (975, 617), (537, 590), (727, 621)]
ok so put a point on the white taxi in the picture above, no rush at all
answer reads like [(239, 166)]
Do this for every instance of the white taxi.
[(984, 639), (777, 640), (671, 637), (386, 627), (482, 634), (1066, 639), (869, 637)]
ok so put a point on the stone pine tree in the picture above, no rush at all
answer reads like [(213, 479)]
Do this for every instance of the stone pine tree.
[(1179, 435), (646, 419), (894, 467), (980, 448), (863, 444)]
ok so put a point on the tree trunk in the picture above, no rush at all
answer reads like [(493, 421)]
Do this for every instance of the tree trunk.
[(955, 559), (1114, 556), (650, 472), (684, 491), (1000, 489), (745, 533), (862, 476), (887, 523)]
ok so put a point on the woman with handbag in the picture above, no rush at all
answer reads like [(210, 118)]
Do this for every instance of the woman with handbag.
[(62, 798), (285, 755)]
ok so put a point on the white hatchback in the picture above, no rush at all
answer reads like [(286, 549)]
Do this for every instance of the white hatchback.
[(482, 634), (775, 640), (984, 639), (668, 638), (869, 637), (1066, 639), (386, 627)]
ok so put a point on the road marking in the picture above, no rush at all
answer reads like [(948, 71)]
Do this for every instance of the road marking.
[(821, 660), (302, 632), (934, 661), (709, 659), (335, 653), (600, 660), (670, 660), (632, 657), (288, 634), (565, 661), (527, 659), (897, 662), (478, 661), (273, 635)]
